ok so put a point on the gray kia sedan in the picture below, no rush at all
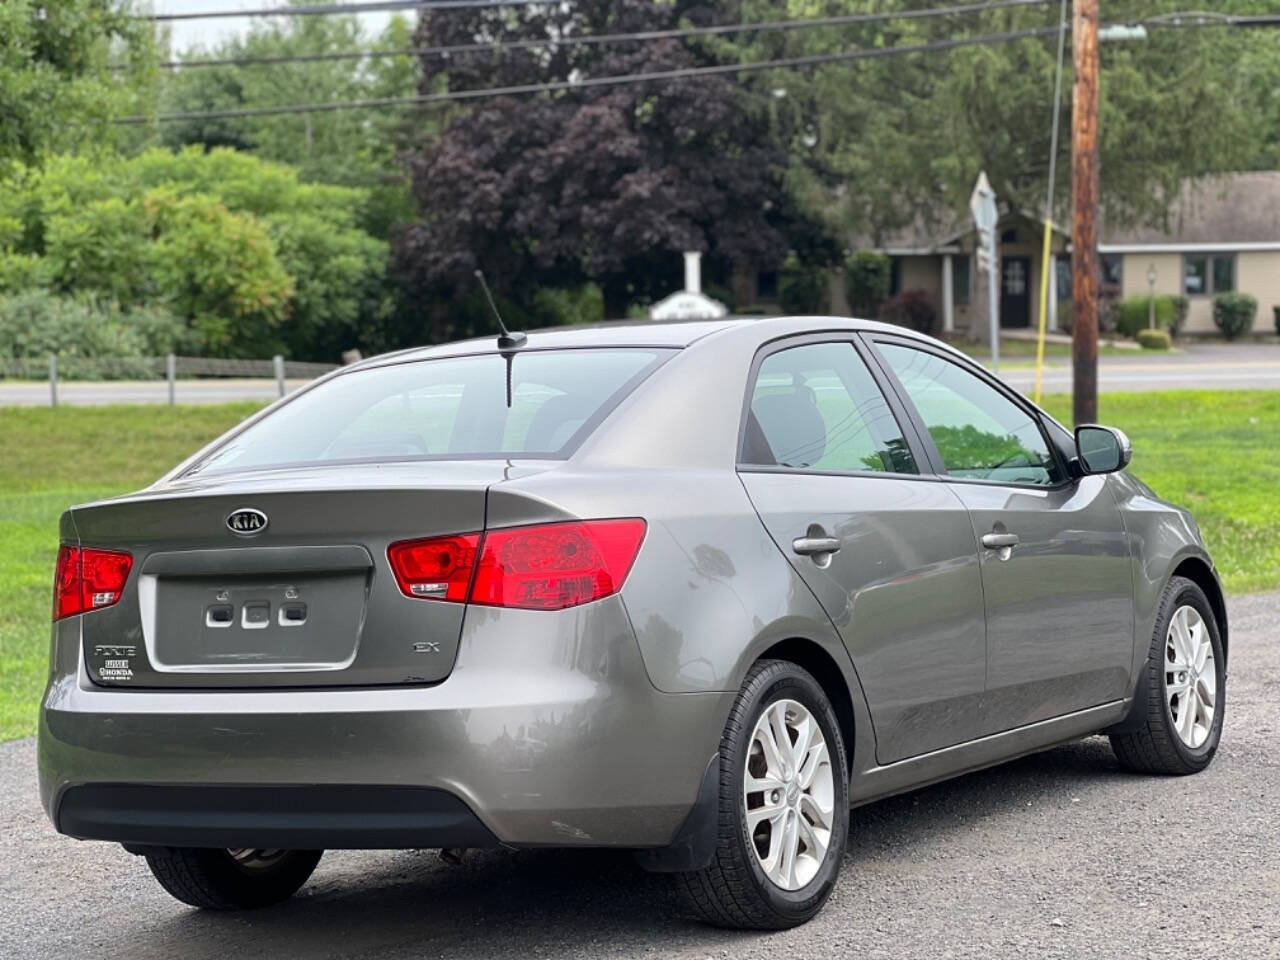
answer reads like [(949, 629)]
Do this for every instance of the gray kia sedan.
[(693, 590)]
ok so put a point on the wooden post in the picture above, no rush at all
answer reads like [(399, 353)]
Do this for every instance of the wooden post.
[(1084, 203)]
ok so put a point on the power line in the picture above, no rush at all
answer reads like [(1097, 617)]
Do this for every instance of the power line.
[(593, 39), (329, 9), (562, 85), (1197, 18)]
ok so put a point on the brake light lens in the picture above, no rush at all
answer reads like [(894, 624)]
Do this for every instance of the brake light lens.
[(556, 565), (88, 579), (438, 568), (548, 566)]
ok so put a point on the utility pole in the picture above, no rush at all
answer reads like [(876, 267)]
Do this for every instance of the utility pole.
[(1084, 204)]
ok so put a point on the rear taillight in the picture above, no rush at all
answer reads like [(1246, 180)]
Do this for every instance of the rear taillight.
[(88, 579), (436, 569), (544, 567), (556, 565)]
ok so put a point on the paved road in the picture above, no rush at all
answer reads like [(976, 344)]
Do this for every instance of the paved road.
[(1054, 856), (29, 393), (1208, 367)]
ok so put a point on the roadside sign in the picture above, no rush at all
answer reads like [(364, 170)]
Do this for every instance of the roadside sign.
[(982, 203)]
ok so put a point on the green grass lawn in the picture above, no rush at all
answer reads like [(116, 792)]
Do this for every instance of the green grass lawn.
[(1018, 352), (49, 460), (1218, 453)]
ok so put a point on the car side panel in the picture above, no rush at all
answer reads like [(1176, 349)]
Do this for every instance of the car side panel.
[(1059, 605), (1162, 536), (709, 590), (904, 590)]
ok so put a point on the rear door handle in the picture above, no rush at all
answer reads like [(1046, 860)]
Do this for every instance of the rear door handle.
[(810, 546), (998, 541)]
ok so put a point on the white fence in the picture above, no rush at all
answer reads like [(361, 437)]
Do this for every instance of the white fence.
[(58, 369)]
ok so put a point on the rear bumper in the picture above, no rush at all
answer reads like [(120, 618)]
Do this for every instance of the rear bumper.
[(548, 732), (292, 818)]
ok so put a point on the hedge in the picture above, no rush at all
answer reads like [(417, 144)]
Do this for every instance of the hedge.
[(1233, 313)]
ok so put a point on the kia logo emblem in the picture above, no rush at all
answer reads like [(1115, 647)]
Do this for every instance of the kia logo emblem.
[(247, 521)]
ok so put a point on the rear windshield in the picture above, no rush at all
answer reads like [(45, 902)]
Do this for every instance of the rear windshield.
[(537, 404)]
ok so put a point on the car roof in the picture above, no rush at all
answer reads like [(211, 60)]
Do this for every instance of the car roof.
[(629, 333)]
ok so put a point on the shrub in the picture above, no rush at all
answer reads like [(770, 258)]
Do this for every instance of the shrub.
[(1276, 311), (1155, 339), (722, 292), (1108, 304), (867, 277), (912, 309), (36, 323), (255, 259), (1233, 313), (1134, 313), (555, 307), (802, 288)]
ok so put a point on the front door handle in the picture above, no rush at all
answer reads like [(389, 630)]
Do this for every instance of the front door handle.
[(811, 546), (999, 541)]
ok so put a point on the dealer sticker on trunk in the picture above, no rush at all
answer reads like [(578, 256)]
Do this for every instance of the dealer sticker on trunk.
[(116, 666)]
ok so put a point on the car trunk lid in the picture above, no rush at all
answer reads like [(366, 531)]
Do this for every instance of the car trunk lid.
[(306, 599)]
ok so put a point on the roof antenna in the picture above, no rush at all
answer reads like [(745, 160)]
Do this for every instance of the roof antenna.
[(508, 340)]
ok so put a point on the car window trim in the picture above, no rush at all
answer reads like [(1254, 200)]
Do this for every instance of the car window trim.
[(968, 365), (849, 337)]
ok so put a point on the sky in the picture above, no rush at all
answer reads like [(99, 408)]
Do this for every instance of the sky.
[(205, 34)]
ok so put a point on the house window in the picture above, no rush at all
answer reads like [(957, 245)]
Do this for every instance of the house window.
[(1111, 270), (1064, 278), (1204, 274), (960, 279), (1224, 274)]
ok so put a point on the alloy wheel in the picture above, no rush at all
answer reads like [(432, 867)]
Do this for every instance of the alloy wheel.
[(250, 859), (789, 792), (1190, 677)]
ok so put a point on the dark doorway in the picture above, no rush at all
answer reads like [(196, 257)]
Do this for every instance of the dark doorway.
[(1015, 292)]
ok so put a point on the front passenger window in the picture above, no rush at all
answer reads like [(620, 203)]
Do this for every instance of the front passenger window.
[(817, 407), (980, 433)]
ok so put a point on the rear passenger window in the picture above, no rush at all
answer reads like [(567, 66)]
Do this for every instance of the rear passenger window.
[(817, 407)]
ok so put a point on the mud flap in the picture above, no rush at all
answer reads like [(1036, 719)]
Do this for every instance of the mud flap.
[(695, 841)]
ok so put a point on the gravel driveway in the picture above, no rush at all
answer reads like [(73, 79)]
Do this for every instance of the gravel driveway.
[(1056, 855)]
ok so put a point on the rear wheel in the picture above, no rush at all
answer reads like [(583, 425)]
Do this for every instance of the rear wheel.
[(784, 806), (231, 879), (1183, 691)]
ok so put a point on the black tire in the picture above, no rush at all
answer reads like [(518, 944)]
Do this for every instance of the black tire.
[(215, 880), (1156, 746), (733, 891)]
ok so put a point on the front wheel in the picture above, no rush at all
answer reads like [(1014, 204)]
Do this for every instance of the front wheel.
[(784, 806), (1183, 692), (231, 879)]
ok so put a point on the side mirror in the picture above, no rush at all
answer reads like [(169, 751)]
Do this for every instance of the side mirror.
[(1102, 449)]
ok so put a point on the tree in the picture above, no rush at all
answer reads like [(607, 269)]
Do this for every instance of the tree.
[(899, 140), (56, 86), (605, 184), (253, 259), (347, 147)]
